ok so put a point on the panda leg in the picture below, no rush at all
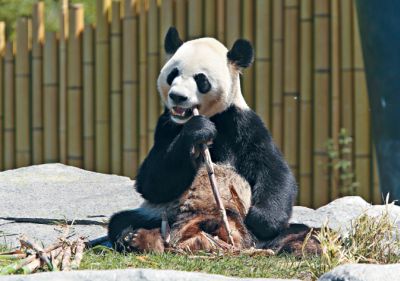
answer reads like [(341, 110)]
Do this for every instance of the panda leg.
[(123, 228)]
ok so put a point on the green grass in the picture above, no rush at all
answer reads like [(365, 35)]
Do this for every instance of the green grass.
[(240, 266)]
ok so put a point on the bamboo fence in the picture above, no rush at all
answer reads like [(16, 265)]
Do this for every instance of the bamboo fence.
[(86, 95)]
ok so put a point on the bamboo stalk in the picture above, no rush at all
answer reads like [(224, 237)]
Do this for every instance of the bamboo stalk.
[(102, 119), (210, 19), (37, 86), (143, 94), (9, 107), (277, 77), (248, 33), (88, 98), (116, 90), (321, 102), (362, 133), (130, 87), (305, 148), (66, 260), (63, 72), (80, 246), (195, 14), (38, 249), (262, 62), (22, 81), (210, 169), (152, 73), (74, 107), (180, 17), (31, 267), (166, 20), (2, 48), (291, 84), (50, 99)]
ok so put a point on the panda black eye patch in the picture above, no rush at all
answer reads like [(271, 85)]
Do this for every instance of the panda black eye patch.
[(202, 83), (172, 75)]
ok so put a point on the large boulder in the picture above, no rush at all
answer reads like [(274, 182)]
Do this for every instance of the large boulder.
[(32, 198)]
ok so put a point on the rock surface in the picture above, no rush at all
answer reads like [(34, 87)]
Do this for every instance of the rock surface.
[(363, 272), (127, 274), (58, 192)]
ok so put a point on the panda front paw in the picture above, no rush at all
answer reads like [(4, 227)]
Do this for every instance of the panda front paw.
[(198, 130), (142, 240)]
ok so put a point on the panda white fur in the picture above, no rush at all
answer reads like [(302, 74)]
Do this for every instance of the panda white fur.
[(203, 73)]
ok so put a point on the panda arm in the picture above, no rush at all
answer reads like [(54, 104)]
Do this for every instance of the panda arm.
[(169, 169)]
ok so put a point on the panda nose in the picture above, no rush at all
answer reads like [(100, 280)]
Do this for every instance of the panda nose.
[(177, 98)]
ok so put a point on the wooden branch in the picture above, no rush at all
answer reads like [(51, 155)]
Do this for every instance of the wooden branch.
[(40, 251), (213, 182), (66, 260), (80, 246)]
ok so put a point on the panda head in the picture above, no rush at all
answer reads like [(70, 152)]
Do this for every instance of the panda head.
[(202, 73)]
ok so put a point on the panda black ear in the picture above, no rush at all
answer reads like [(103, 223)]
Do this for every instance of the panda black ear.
[(172, 42), (241, 54)]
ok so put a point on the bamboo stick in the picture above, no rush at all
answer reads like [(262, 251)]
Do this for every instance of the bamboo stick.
[(210, 169), (130, 87), (377, 194), (74, 107), (362, 133), (144, 98), (88, 98), (38, 249), (335, 89), (152, 73), (22, 81), (9, 107), (116, 90), (262, 62), (102, 111), (210, 19), (80, 246), (66, 260), (321, 102), (195, 16), (37, 86), (63, 71), (166, 20), (50, 99), (233, 22), (277, 77), (221, 20), (306, 67), (248, 33), (2, 47), (180, 17)]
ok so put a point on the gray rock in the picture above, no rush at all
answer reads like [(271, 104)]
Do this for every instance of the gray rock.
[(363, 272), (57, 191), (341, 212), (127, 274)]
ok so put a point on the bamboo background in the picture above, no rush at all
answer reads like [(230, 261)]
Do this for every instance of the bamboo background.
[(86, 95)]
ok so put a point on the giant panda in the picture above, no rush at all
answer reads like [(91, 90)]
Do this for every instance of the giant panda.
[(203, 73)]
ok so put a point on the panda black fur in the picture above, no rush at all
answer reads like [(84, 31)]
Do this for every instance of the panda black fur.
[(239, 139)]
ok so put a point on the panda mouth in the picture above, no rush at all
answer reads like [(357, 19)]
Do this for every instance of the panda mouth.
[(181, 112)]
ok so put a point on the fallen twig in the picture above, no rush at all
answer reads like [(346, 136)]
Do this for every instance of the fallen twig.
[(39, 250)]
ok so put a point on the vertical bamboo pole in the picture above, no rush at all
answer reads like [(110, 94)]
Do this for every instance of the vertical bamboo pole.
[(221, 20), (195, 16), (143, 94), (63, 67), (291, 83), (74, 93), (180, 17), (37, 87), (130, 87), (362, 133), (378, 197), (50, 98), (262, 62), (116, 90), (22, 81), (2, 47), (152, 72), (9, 108), (210, 20), (321, 102), (233, 22), (102, 111), (335, 89), (166, 20), (277, 72), (306, 67), (247, 27), (88, 98)]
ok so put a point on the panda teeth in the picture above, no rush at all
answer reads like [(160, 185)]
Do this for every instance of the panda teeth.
[(182, 112)]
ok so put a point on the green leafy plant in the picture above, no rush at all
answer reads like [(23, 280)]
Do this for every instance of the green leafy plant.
[(339, 155)]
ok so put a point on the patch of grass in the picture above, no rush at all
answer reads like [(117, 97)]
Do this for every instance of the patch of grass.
[(240, 266)]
